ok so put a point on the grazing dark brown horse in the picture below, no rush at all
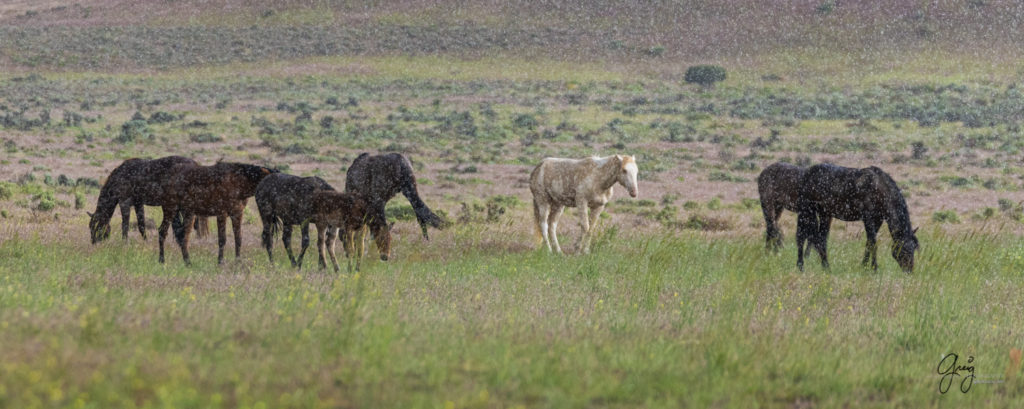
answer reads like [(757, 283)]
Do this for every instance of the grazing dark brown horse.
[(134, 183), (220, 190), (778, 188), (378, 178), (868, 194), (288, 200), (351, 214)]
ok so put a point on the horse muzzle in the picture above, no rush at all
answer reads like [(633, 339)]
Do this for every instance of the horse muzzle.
[(383, 257), (633, 194)]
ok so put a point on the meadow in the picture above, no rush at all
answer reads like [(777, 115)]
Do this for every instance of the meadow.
[(679, 304)]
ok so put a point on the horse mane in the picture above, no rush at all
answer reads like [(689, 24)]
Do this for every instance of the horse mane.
[(897, 213)]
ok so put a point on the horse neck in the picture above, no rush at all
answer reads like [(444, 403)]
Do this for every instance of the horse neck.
[(609, 173), (897, 216), (106, 204)]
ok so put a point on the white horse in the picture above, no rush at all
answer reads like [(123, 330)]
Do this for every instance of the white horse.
[(582, 183)]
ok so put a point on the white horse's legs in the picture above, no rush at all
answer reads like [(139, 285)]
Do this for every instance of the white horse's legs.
[(540, 215), (556, 212), (583, 208), (594, 213)]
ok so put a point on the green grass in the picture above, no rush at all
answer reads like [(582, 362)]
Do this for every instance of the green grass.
[(660, 321)]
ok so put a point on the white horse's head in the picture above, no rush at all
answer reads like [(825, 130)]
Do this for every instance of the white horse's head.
[(627, 174)]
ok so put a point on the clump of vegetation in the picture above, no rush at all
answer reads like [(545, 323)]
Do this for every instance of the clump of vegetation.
[(945, 216), (133, 130), (705, 75), (707, 223), (205, 137)]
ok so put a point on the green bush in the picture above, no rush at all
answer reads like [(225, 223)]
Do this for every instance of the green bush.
[(706, 75), (945, 216), (132, 131)]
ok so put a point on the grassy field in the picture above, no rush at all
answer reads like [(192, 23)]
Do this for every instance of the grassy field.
[(678, 306)]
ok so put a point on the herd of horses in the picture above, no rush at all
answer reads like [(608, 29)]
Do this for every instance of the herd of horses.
[(189, 193)]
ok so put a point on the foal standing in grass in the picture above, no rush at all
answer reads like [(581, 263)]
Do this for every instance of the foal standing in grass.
[(582, 183), (350, 213)]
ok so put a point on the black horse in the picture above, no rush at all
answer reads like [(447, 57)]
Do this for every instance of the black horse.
[(378, 178), (288, 200), (778, 188), (135, 183), (868, 194), (221, 191)]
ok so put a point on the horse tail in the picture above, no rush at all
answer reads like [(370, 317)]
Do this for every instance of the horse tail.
[(202, 226), (424, 215)]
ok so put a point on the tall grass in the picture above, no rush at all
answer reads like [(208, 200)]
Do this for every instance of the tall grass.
[(664, 321)]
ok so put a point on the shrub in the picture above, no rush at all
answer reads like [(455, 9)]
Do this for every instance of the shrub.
[(527, 121), (205, 137), (705, 75), (160, 117), (707, 223), (79, 200), (945, 216), (133, 130)]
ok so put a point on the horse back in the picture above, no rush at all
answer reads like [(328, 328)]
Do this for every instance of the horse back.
[(559, 180)]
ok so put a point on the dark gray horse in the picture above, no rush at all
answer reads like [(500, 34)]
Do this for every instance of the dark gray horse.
[(849, 194)]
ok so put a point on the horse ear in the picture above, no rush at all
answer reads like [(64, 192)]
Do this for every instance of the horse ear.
[(391, 226), (915, 230)]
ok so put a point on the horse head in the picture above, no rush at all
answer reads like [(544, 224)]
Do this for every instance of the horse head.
[(903, 251), (627, 174), (99, 230)]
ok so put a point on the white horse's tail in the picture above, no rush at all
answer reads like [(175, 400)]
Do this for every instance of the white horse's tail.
[(537, 217)]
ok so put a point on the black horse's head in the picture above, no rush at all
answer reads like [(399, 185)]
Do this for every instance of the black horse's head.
[(903, 251), (381, 232), (99, 229)]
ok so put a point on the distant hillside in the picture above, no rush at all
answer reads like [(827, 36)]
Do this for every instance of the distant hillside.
[(99, 34)]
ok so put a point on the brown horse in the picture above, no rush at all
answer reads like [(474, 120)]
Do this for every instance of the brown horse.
[(134, 183), (220, 190), (868, 194), (378, 178), (351, 214), (288, 200), (778, 187)]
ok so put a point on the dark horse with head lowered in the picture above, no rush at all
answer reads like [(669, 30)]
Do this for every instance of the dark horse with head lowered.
[(220, 190), (849, 194), (134, 183), (778, 188), (378, 178)]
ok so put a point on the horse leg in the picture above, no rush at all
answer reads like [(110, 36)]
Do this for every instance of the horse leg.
[(770, 233), (584, 210), (322, 261), (236, 227), (556, 212), (165, 224), (871, 249), (821, 241), (126, 214), (140, 218), (186, 232), (359, 237), (330, 232), (778, 232), (541, 217), (305, 242), (804, 229), (222, 235), (268, 238), (286, 239), (594, 213)]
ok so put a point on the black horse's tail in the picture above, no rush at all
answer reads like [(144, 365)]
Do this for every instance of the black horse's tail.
[(424, 215)]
